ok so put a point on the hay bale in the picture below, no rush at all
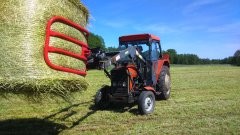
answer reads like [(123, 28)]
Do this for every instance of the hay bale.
[(22, 36)]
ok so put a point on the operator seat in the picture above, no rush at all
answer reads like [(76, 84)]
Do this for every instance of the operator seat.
[(140, 49)]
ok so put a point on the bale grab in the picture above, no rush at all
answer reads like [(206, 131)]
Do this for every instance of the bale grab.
[(22, 66)]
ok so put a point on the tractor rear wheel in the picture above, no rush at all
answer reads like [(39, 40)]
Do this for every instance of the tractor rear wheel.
[(164, 84), (101, 99), (146, 102)]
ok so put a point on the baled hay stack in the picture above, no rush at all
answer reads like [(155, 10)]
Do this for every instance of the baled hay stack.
[(22, 37)]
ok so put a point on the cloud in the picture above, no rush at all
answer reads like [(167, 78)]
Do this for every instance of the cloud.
[(92, 18), (141, 27), (91, 23), (116, 24), (169, 29), (233, 46), (156, 28), (198, 4), (233, 28)]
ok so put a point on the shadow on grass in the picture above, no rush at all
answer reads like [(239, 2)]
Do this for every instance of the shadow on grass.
[(71, 113), (74, 124), (45, 126), (36, 126), (121, 108), (30, 126), (66, 110)]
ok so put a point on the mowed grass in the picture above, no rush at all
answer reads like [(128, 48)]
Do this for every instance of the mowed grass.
[(204, 100)]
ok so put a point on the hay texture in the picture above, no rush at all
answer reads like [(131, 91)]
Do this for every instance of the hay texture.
[(22, 37)]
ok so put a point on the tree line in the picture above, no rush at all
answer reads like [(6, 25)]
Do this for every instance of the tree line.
[(193, 59), (96, 41)]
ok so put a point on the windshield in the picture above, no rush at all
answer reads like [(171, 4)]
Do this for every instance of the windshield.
[(142, 48)]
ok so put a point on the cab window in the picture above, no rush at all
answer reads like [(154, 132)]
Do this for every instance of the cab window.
[(155, 51)]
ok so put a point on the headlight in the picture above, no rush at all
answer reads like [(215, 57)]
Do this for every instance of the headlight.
[(124, 84), (114, 84)]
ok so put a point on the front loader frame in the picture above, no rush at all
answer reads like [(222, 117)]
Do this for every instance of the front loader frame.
[(50, 49)]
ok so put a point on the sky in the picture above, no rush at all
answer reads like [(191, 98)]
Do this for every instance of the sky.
[(208, 28)]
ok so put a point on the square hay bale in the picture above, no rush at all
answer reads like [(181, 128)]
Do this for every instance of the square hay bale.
[(22, 37)]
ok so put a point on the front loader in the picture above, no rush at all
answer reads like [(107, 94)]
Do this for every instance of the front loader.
[(140, 73)]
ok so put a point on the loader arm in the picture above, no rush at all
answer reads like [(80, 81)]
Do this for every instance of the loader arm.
[(130, 52)]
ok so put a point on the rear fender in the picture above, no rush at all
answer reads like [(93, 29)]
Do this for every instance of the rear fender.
[(162, 62)]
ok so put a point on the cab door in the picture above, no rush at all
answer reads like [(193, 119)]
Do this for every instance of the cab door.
[(155, 56)]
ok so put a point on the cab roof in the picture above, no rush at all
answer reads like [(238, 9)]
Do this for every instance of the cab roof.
[(138, 37)]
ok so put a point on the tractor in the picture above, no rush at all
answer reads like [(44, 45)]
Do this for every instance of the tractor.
[(139, 75), (140, 72)]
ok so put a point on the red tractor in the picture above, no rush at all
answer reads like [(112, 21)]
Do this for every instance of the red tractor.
[(140, 74)]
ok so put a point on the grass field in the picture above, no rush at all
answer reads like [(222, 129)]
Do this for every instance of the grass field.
[(204, 100)]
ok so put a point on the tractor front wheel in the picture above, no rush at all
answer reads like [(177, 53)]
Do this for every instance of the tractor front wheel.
[(146, 102), (101, 99)]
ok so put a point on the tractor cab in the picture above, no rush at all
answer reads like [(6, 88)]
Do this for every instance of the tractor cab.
[(148, 45), (150, 48)]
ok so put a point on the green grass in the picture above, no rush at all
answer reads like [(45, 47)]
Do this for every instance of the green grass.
[(204, 100)]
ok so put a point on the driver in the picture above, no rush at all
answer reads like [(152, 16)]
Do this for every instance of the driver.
[(140, 49)]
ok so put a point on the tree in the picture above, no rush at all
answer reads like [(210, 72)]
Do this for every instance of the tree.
[(205, 61), (96, 41), (236, 57), (111, 49), (173, 55)]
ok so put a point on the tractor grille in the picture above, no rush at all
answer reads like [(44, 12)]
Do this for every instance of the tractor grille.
[(119, 82), (120, 92)]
